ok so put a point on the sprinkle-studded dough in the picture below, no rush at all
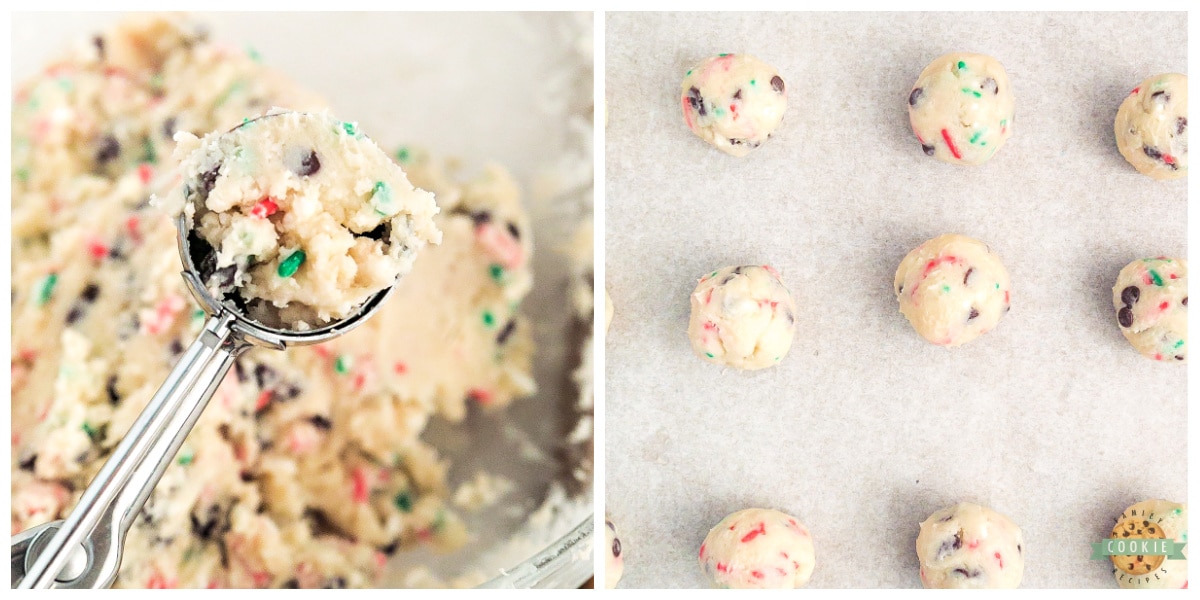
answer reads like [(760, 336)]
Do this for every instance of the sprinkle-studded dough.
[(299, 217), (742, 317), (961, 108), (953, 289), (614, 563), (1151, 126), (733, 101), (758, 548), (970, 546), (1152, 519), (307, 468), (1150, 298)]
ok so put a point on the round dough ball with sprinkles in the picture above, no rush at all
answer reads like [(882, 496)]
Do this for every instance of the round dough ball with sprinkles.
[(968, 546), (299, 217), (961, 108), (614, 564), (1150, 298), (1151, 126), (742, 317), (1151, 519), (758, 548), (952, 289), (733, 101)]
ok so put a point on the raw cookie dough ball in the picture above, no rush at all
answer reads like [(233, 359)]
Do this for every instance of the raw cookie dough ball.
[(1151, 519), (733, 101), (1151, 126), (614, 565), (969, 546), (953, 289), (961, 108), (1151, 298), (758, 548), (300, 216), (742, 317)]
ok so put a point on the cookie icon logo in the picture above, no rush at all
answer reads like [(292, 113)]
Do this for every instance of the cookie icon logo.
[(1134, 528)]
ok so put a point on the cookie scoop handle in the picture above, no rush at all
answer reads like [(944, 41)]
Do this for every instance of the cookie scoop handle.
[(97, 526)]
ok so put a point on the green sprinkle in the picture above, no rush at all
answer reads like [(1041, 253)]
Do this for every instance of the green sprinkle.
[(381, 198), (148, 153), (403, 155), (186, 459), (962, 65), (1179, 511), (1155, 278), (1179, 343), (690, 72), (245, 121), (489, 319), (973, 92), (997, 286), (343, 364), (720, 112), (288, 267), (946, 289), (23, 174), (752, 82), (88, 430), (350, 128), (723, 54), (198, 315), (1003, 122), (975, 137), (777, 358), (47, 288), (709, 354), (253, 54), (496, 271), (403, 501), (714, 274)]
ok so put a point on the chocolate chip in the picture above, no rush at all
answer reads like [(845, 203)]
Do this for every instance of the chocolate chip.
[(697, 101), (989, 85), (246, 476), (513, 231), (75, 314), (176, 347), (1178, 357), (949, 546), (738, 94), (309, 164), (1160, 97), (738, 270), (210, 523), (108, 149), (321, 422), (967, 275), (391, 548), (961, 572), (974, 314), (1152, 152), (111, 389), (928, 149), (291, 584), (168, 128), (915, 96), (98, 42), (1018, 548), (777, 84), (264, 376), (1125, 316), (285, 391), (616, 548), (224, 277), (504, 334), (1130, 295), (336, 583), (1185, 300), (239, 370), (381, 233), (1180, 125), (482, 217), (27, 463), (736, 142), (208, 180), (90, 292)]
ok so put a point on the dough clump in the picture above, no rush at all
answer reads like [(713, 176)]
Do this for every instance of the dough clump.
[(742, 317), (1151, 126), (758, 548), (733, 101), (961, 108), (969, 546)]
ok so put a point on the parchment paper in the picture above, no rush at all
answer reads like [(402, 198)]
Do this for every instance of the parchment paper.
[(865, 429)]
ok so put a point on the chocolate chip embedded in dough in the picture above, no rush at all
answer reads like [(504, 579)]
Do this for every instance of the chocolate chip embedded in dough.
[(989, 85), (974, 314), (928, 149), (107, 149), (1130, 295), (1180, 125), (697, 101), (915, 96), (777, 84), (1125, 316)]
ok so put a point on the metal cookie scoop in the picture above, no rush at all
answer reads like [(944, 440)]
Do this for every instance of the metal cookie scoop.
[(84, 551)]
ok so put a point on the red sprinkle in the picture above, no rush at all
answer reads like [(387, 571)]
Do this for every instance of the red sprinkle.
[(261, 579), (361, 489), (400, 368), (1000, 559), (701, 547), (687, 111), (265, 208), (973, 545), (756, 574), (950, 144), (1135, 90), (131, 225), (760, 530), (264, 398), (1164, 306), (480, 395), (97, 249), (709, 326), (721, 568), (145, 173)]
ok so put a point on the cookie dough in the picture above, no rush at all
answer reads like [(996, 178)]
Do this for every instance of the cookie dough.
[(298, 217), (733, 101), (1151, 300), (1151, 126), (1153, 519), (961, 108), (952, 289), (969, 546), (758, 548), (307, 468), (742, 317), (614, 564)]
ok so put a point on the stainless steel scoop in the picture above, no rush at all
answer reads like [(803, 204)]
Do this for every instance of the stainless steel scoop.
[(84, 550)]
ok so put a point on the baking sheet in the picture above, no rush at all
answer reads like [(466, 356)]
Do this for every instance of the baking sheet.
[(865, 429), (481, 87)]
